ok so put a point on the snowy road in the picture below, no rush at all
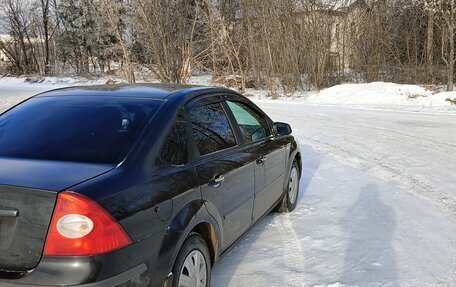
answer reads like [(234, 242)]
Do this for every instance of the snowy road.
[(377, 202)]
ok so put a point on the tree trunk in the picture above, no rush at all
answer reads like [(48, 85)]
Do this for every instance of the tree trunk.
[(429, 47), (45, 10), (451, 56)]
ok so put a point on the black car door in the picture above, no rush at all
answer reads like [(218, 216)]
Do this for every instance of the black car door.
[(269, 152), (226, 175)]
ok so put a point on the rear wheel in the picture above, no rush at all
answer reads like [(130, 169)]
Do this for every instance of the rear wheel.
[(290, 198), (193, 265)]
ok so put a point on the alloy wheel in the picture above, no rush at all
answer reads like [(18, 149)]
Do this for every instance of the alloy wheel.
[(193, 272), (293, 185)]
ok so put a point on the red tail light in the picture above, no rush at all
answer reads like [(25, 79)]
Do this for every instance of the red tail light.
[(80, 227)]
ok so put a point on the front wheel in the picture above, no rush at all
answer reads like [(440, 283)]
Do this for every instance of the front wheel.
[(290, 198), (193, 265)]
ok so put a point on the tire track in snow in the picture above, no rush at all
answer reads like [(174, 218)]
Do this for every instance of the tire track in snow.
[(389, 172), (390, 134), (293, 252)]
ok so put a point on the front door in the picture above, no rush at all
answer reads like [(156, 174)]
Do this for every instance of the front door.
[(269, 153), (269, 175)]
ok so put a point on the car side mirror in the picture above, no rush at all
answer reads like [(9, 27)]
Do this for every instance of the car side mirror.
[(283, 129)]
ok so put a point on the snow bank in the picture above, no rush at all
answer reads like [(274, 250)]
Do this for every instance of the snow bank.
[(381, 94), (372, 95)]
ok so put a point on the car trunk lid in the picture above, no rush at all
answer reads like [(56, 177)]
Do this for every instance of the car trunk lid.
[(48, 175), (24, 219), (28, 193)]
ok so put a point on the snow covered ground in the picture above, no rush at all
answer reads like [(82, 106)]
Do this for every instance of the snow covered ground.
[(377, 202)]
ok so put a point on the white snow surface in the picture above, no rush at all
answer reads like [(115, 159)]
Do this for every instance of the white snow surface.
[(378, 95), (377, 201)]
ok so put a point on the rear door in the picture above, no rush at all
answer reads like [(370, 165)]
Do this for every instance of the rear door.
[(269, 153), (226, 174)]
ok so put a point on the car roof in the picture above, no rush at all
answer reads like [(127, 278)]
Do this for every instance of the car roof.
[(153, 91)]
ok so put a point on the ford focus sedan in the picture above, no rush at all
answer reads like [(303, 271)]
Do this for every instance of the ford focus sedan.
[(136, 185)]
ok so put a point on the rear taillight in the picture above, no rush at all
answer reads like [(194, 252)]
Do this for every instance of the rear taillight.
[(80, 227)]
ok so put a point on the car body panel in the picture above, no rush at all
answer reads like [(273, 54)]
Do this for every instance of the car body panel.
[(234, 197), (193, 214), (47, 175)]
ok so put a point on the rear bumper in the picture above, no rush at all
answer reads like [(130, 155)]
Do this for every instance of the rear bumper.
[(130, 275), (125, 277), (133, 266), (119, 279)]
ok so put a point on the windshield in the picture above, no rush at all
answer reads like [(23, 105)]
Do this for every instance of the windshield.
[(74, 128)]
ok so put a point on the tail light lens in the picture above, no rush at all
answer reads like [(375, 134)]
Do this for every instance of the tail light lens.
[(80, 227), (74, 226)]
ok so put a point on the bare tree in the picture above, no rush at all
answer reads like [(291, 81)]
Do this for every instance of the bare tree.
[(430, 7), (279, 45), (168, 31), (17, 23), (45, 19), (113, 13), (447, 10)]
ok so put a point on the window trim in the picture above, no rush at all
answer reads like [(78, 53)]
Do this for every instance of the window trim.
[(233, 123), (189, 153)]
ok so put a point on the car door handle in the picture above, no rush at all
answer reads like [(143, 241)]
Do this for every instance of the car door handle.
[(216, 181), (261, 160), (9, 212)]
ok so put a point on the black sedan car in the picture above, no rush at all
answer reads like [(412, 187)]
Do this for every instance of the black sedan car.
[(135, 185)]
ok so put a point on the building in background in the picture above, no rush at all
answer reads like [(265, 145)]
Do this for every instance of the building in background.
[(345, 33), (4, 40)]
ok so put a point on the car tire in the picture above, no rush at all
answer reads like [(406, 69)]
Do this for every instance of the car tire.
[(290, 197), (193, 254)]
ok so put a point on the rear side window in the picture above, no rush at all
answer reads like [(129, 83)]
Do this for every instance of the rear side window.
[(175, 148), (211, 128), (74, 128), (253, 125)]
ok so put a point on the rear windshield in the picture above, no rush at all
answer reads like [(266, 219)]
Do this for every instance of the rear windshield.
[(74, 128)]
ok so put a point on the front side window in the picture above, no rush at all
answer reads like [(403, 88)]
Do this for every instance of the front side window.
[(211, 128), (74, 128), (253, 126), (175, 148)]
